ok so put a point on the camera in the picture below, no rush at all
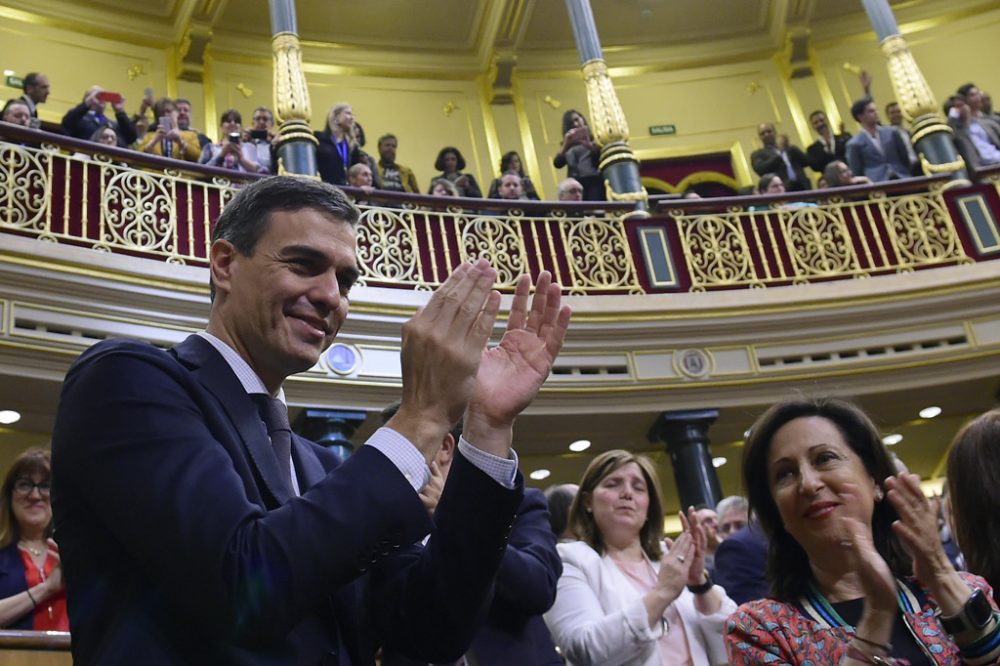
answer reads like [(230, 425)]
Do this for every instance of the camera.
[(234, 137)]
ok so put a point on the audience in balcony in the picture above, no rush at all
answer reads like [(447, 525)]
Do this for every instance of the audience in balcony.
[(839, 174), (778, 156), (394, 176), (876, 151), (16, 112), (894, 114), (36, 91), (621, 599), (32, 595), (977, 140), (167, 139), (510, 188), (338, 149), (570, 189), (140, 119), (231, 152), (828, 146), (858, 571), (183, 123), (580, 155), (511, 163), (442, 187), (364, 157), (85, 118), (360, 176), (259, 135), (733, 514), (450, 163), (986, 106)]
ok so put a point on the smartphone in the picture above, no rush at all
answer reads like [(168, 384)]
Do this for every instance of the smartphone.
[(234, 137), (260, 135), (166, 122), (109, 97)]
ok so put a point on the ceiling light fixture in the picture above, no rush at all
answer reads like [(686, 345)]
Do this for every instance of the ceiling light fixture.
[(8, 416), (540, 474), (580, 445), (929, 412), (893, 439)]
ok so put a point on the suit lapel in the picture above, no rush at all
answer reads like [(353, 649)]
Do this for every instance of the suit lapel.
[(212, 371), (308, 468)]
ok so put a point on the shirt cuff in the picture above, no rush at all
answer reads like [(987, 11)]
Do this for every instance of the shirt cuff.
[(403, 454), (501, 470)]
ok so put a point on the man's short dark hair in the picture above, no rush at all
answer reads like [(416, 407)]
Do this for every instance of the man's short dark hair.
[(966, 89), (181, 100), (386, 137), (265, 109), (859, 107), (245, 218), (816, 113), (952, 101), (391, 409), (889, 106), (30, 80)]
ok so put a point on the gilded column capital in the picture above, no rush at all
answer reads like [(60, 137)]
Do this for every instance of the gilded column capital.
[(291, 95), (606, 116), (912, 92)]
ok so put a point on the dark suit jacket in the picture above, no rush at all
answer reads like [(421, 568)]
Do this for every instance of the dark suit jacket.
[(329, 162), (32, 108), (818, 156), (741, 564), (80, 123), (768, 160), (965, 145), (180, 544), (866, 160)]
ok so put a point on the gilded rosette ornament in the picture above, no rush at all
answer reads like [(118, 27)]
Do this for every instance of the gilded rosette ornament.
[(606, 116), (291, 95)]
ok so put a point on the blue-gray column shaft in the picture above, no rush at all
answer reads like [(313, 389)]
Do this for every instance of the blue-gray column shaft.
[(296, 153)]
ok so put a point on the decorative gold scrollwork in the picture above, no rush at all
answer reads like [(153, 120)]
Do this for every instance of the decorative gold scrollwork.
[(138, 212), (818, 243), (498, 240), (717, 251), (387, 246), (24, 188), (922, 232), (598, 255)]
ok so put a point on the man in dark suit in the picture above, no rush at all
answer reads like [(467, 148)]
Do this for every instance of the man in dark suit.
[(778, 156), (195, 529), (741, 564), (514, 631), (876, 152), (36, 91), (829, 146)]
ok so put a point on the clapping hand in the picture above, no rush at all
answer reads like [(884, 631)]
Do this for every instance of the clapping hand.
[(917, 528), (692, 525)]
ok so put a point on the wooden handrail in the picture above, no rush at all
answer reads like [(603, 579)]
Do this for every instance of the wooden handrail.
[(19, 639)]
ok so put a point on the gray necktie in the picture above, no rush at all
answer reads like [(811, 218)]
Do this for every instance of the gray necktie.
[(275, 417)]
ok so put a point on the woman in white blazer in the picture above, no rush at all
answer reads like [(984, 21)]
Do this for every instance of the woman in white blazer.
[(620, 600)]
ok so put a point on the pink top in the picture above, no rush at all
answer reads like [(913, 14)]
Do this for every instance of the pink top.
[(673, 643)]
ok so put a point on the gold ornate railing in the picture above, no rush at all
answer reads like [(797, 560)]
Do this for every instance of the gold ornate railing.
[(75, 192)]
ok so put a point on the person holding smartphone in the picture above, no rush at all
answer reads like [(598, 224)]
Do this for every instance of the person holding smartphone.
[(580, 155), (166, 139), (231, 152), (87, 117), (260, 135)]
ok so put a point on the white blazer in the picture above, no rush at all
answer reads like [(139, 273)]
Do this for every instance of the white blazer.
[(599, 618)]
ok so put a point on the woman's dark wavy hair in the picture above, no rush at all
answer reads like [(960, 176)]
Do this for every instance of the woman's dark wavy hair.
[(439, 162), (567, 120), (974, 486), (788, 564), (506, 160), (581, 521)]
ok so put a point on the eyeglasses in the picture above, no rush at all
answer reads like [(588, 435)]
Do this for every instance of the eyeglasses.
[(24, 487)]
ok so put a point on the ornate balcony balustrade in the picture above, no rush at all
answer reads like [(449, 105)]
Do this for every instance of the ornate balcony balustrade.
[(68, 191)]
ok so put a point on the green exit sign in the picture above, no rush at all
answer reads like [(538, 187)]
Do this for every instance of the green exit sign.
[(12, 81), (662, 130)]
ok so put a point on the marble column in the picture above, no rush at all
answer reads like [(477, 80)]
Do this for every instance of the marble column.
[(685, 435), (295, 144)]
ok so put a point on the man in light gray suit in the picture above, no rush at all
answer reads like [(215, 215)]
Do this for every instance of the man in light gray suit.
[(876, 151)]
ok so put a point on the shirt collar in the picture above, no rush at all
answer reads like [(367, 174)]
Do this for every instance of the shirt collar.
[(251, 382)]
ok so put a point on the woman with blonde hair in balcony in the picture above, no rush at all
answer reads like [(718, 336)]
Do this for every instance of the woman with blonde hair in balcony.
[(338, 148), (166, 139), (32, 595), (621, 600)]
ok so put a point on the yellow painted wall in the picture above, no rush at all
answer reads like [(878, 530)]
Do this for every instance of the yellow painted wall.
[(715, 108)]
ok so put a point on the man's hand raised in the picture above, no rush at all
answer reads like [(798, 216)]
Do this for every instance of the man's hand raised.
[(442, 347), (511, 373)]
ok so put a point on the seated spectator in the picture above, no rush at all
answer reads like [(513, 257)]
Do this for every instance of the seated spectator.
[(231, 152), (167, 139), (733, 515), (828, 146), (838, 174), (359, 175), (973, 465), (106, 136), (337, 149), (36, 91), (876, 151), (560, 498), (779, 157), (83, 119), (771, 183), (513, 632), (395, 177), (581, 156), (260, 135), (442, 187), (974, 98), (183, 107), (510, 188), (16, 112), (570, 189), (844, 529), (32, 595), (450, 163), (511, 163), (977, 142), (621, 600)]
